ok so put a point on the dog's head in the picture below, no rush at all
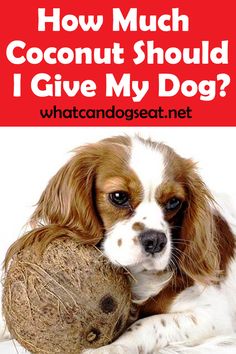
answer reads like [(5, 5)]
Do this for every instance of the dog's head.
[(146, 206)]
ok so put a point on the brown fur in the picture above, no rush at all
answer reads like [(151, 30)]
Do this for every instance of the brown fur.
[(225, 242), (202, 257), (138, 226), (113, 175), (68, 200)]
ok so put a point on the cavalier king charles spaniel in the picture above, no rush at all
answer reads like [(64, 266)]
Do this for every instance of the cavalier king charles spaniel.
[(149, 211)]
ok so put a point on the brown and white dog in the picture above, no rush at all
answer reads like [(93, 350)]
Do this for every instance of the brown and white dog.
[(150, 212)]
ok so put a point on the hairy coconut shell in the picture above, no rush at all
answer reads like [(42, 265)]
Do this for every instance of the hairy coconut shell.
[(67, 299)]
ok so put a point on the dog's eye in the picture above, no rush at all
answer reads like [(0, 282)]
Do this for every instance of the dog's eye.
[(119, 198), (172, 204)]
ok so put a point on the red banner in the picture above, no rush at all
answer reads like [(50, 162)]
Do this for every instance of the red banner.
[(118, 63)]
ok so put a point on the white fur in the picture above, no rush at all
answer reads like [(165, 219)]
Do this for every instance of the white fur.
[(147, 284), (131, 253), (4, 333), (148, 164)]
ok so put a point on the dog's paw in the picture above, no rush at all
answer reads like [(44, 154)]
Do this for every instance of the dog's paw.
[(111, 349), (4, 333)]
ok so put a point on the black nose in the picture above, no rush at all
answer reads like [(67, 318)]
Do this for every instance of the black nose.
[(153, 241)]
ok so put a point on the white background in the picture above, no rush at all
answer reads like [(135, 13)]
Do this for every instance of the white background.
[(30, 156)]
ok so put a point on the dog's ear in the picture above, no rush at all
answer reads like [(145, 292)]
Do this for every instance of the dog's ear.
[(200, 258), (69, 198)]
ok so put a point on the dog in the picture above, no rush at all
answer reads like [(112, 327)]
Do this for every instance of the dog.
[(149, 211)]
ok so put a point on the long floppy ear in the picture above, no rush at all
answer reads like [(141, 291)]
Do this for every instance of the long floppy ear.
[(200, 258), (69, 198)]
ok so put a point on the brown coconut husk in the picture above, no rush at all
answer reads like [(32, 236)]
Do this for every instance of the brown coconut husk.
[(65, 299)]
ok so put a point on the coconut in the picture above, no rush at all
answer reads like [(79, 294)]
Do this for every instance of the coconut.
[(65, 299)]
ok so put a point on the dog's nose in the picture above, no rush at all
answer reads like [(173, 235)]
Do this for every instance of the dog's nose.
[(153, 241)]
